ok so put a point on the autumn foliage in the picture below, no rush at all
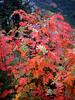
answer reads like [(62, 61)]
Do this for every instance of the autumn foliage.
[(37, 59)]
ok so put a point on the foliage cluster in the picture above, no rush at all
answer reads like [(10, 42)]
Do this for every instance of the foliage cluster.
[(37, 59), (8, 6)]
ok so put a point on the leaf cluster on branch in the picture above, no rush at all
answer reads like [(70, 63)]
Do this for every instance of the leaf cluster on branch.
[(39, 58)]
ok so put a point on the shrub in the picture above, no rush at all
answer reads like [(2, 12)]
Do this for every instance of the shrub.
[(39, 55)]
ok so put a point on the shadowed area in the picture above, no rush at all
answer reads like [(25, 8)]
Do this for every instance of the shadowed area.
[(66, 7)]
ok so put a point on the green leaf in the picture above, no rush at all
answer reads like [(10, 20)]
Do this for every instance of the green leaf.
[(49, 92), (24, 48), (60, 68), (17, 53), (73, 72), (15, 61), (21, 29)]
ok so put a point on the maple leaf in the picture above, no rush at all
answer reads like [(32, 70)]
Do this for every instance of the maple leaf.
[(49, 92), (23, 24), (57, 16), (60, 98), (17, 96), (52, 25), (69, 80), (73, 91), (44, 30), (32, 62), (45, 79), (36, 73), (42, 49), (5, 93), (23, 81)]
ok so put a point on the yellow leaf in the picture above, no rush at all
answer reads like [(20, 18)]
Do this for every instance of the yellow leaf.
[(17, 96)]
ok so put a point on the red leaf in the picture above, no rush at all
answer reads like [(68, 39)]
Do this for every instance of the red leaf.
[(5, 93), (22, 24), (23, 81)]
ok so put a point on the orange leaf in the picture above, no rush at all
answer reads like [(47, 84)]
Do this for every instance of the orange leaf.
[(69, 80), (44, 30)]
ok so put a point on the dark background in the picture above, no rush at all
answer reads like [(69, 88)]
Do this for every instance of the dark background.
[(66, 7)]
